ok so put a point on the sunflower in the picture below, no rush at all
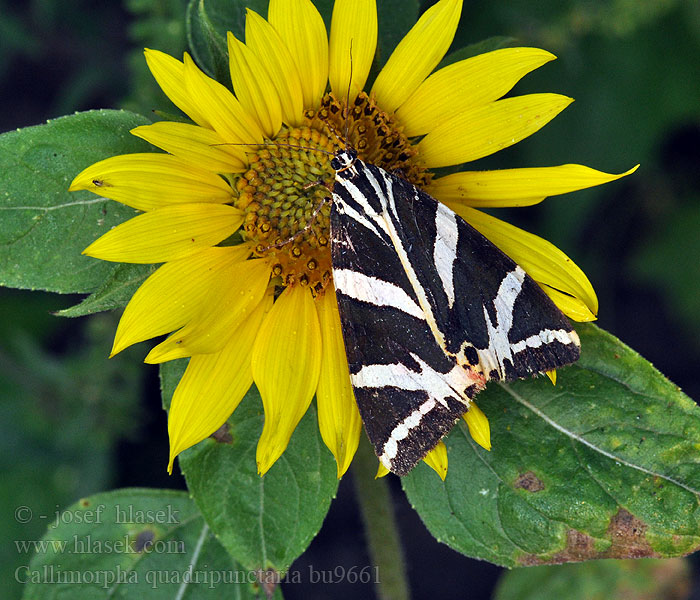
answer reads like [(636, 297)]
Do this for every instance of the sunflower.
[(234, 210)]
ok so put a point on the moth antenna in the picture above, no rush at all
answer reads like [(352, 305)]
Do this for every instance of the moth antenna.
[(318, 182), (334, 131), (276, 144), (347, 102), (342, 139)]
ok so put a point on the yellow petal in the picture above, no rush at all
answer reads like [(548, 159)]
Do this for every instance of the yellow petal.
[(517, 187), (264, 40), (286, 362), (302, 29), (467, 84), (436, 459), (225, 113), (552, 376), (338, 418), (483, 130), (352, 45), (542, 260), (381, 471), (197, 145), (172, 295), (253, 86), (417, 54), (236, 292), (149, 181), (167, 233), (170, 75), (572, 307), (212, 387), (478, 424)]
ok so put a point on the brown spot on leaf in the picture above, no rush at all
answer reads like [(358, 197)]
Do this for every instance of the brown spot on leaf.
[(223, 434), (85, 503), (579, 546), (529, 482), (144, 540), (627, 534), (268, 579)]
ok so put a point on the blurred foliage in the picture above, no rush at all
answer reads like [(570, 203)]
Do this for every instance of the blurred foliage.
[(63, 408), (157, 24), (632, 67), (646, 579), (670, 258)]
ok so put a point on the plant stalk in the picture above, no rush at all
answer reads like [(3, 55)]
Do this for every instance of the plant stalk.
[(382, 535)]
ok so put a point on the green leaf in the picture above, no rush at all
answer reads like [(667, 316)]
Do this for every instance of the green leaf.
[(599, 580), (116, 292), (132, 543), (207, 22), (606, 464), (170, 374), (264, 522), (208, 46), (43, 227)]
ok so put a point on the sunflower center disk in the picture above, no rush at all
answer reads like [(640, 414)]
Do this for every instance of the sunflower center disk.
[(284, 192)]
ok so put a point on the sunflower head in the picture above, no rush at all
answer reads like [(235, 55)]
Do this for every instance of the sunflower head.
[(284, 192), (235, 207), (283, 197)]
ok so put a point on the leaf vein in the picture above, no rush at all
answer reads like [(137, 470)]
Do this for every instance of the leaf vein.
[(46, 209), (585, 442), (193, 561)]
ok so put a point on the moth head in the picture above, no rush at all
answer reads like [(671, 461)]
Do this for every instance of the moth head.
[(344, 159)]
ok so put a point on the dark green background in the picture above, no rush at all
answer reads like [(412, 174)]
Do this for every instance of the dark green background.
[(74, 423)]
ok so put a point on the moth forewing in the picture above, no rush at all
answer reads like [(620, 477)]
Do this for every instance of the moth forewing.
[(430, 310)]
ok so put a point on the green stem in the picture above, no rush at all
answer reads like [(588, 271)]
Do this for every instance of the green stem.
[(381, 533)]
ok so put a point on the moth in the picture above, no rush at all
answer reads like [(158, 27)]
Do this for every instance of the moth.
[(430, 311)]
